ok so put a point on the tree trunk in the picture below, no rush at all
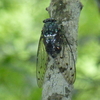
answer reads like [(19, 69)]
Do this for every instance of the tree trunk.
[(66, 12)]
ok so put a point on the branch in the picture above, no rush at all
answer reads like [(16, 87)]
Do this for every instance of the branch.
[(66, 12)]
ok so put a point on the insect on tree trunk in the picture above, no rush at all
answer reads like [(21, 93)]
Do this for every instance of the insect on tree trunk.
[(55, 86)]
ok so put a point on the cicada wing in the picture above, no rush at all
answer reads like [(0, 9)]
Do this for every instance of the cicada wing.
[(66, 62), (41, 62)]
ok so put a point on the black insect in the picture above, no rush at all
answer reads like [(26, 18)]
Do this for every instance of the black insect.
[(51, 37), (53, 43)]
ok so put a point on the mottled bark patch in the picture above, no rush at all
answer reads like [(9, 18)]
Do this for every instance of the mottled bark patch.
[(67, 92), (55, 96)]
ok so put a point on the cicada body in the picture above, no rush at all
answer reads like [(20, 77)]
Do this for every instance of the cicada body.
[(53, 43), (51, 36)]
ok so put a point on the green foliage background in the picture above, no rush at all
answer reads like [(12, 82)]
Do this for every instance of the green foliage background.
[(20, 29)]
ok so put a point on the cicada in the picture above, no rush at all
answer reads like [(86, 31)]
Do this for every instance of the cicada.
[(53, 43)]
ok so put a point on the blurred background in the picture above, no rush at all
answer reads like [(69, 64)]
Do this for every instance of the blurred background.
[(20, 29)]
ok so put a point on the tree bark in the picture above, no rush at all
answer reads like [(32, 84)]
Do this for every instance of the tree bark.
[(66, 12)]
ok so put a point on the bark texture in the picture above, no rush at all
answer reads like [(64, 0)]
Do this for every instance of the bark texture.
[(66, 12)]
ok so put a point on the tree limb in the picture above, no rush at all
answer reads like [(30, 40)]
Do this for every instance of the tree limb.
[(66, 12)]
